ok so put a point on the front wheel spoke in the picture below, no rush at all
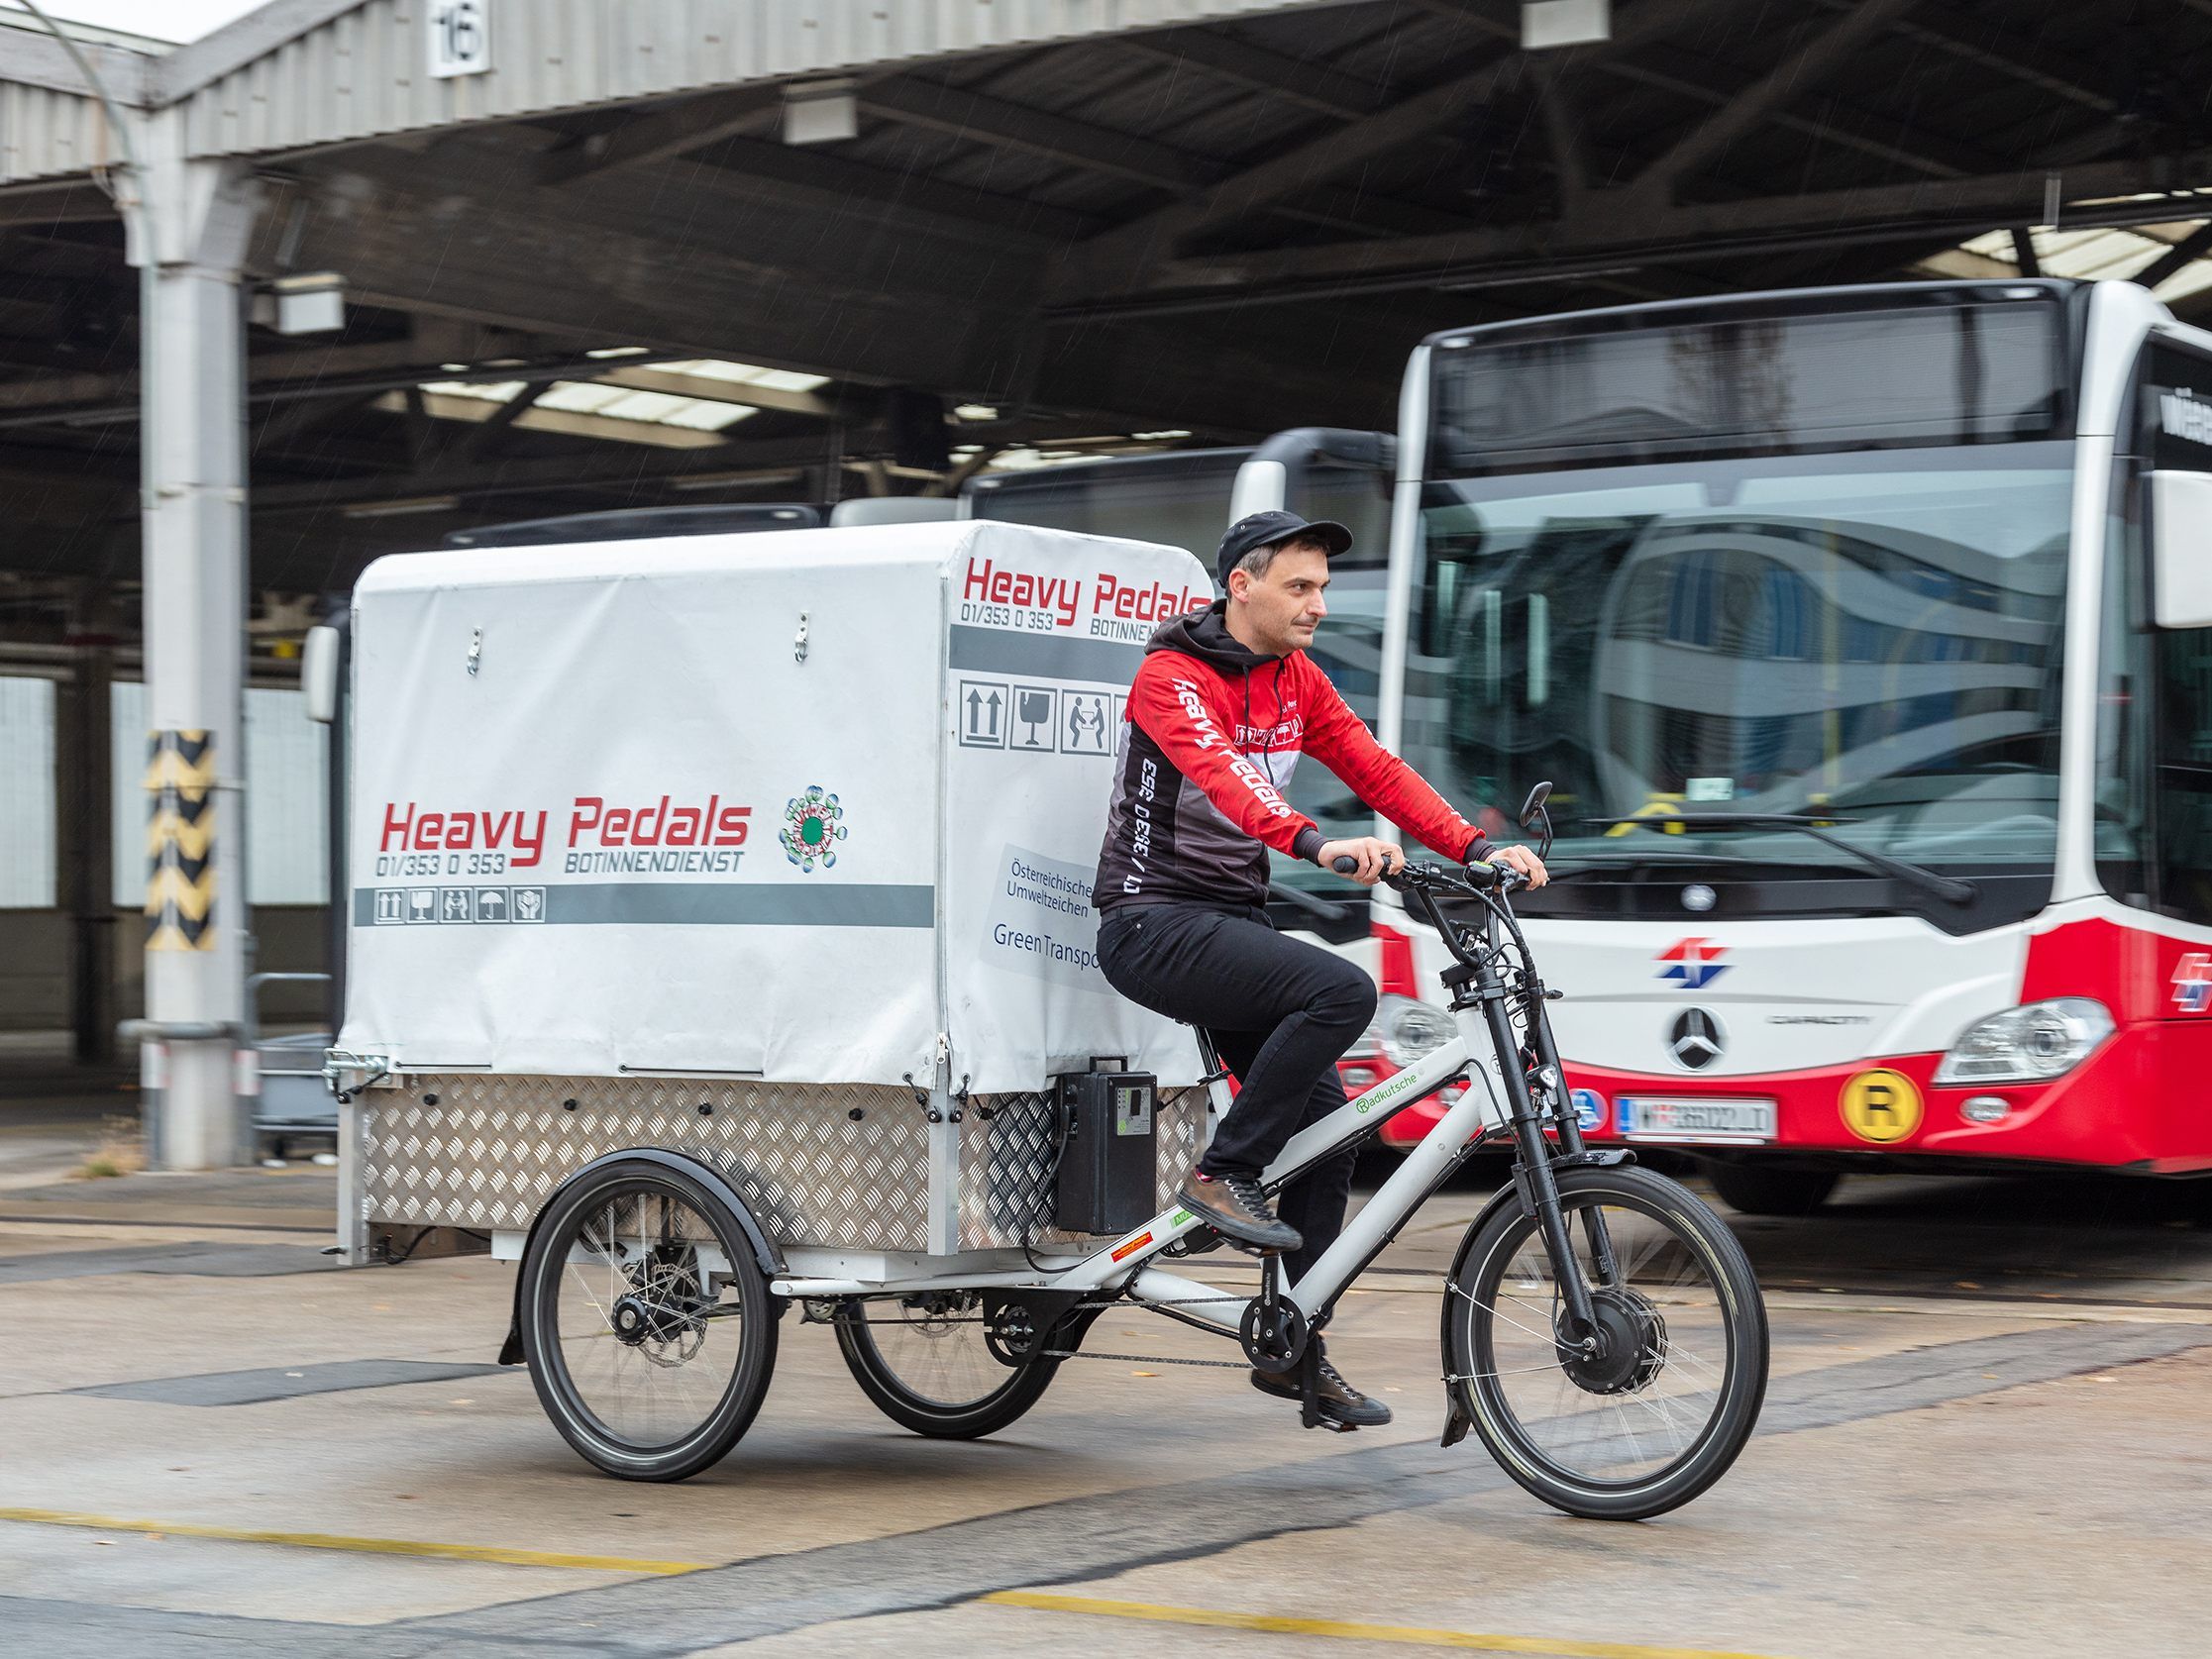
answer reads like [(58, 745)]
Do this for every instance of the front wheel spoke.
[(1493, 1311)]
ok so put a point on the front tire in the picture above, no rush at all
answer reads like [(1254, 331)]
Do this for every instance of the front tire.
[(1754, 1190), (923, 1362), (1660, 1409), (646, 1322)]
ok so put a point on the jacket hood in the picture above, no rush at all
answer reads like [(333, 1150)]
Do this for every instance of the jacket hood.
[(1205, 635)]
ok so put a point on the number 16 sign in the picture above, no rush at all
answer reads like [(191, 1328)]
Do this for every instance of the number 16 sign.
[(460, 37)]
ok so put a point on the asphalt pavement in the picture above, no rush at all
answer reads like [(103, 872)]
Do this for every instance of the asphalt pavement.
[(1984, 1434)]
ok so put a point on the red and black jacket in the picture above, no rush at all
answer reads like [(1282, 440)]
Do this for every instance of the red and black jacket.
[(1214, 733)]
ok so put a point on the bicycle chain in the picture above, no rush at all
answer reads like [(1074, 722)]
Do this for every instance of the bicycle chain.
[(1145, 1359), (1080, 1308)]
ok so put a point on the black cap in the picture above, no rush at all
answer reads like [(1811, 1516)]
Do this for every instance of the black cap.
[(1257, 530)]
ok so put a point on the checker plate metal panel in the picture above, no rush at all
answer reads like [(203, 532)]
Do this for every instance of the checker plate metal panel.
[(1005, 1163), (482, 1151), (469, 1150)]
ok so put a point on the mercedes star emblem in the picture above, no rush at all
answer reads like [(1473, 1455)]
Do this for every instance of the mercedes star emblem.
[(1697, 897), (1694, 1039)]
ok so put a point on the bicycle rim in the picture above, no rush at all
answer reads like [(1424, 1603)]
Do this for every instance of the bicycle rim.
[(646, 1347), (931, 1348), (1644, 1416)]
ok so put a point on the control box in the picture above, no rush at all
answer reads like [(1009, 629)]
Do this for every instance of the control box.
[(1109, 1179)]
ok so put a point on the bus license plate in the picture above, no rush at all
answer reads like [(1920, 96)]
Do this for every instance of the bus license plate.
[(1651, 1117)]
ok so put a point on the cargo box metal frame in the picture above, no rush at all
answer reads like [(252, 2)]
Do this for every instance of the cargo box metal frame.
[(839, 1176), (873, 1182)]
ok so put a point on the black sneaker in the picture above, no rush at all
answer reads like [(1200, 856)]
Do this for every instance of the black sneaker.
[(1236, 1206), (1341, 1402)]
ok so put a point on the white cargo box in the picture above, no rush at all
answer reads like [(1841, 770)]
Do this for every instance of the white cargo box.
[(786, 807), (818, 809)]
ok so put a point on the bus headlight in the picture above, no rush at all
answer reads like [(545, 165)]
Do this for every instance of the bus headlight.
[(1404, 1029), (2030, 1044)]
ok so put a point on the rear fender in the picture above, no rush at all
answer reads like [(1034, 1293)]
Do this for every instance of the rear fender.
[(764, 1250)]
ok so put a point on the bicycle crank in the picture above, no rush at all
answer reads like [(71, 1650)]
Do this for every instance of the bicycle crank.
[(1274, 1334)]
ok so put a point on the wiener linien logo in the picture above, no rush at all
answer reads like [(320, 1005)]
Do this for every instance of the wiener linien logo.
[(811, 829)]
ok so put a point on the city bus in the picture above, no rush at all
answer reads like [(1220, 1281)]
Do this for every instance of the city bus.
[(1882, 762), (1860, 633)]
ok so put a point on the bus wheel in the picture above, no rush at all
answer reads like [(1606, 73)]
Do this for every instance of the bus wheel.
[(1757, 1190)]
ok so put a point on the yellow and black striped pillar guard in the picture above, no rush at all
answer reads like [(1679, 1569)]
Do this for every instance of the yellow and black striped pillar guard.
[(180, 842)]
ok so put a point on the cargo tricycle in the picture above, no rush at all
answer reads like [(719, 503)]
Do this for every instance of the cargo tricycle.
[(723, 954)]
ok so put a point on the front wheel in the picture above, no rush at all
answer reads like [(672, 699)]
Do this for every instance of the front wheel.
[(646, 1320), (1652, 1407), (922, 1361)]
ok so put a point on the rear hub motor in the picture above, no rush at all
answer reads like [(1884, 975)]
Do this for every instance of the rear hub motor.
[(1628, 1346)]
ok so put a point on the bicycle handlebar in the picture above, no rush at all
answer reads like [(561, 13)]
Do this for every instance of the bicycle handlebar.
[(1434, 878)]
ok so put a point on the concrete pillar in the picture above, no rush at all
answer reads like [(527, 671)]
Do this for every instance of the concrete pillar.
[(87, 819), (192, 433)]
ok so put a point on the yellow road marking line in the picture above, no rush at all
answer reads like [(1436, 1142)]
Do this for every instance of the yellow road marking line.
[(1403, 1634), (361, 1546)]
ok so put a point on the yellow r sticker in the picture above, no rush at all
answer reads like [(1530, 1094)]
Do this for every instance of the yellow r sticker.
[(1880, 1106)]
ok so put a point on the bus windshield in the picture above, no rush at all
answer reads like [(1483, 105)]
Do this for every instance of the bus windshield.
[(1867, 638)]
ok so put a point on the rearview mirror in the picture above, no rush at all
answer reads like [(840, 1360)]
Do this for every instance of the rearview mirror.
[(318, 673), (2180, 549), (1536, 818), (1446, 572)]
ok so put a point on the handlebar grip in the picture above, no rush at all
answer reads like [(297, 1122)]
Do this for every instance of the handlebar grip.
[(1344, 863)]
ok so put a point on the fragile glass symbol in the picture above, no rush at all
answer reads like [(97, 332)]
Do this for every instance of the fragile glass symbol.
[(1035, 710)]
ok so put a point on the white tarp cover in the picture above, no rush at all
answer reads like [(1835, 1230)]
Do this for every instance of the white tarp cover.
[(608, 817)]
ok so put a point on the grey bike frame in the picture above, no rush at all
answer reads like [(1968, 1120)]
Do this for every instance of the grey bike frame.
[(1125, 1264)]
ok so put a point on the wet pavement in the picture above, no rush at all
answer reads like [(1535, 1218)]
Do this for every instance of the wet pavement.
[(1984, 1434)]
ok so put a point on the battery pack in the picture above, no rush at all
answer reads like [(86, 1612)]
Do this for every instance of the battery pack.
[(1109, 1177)]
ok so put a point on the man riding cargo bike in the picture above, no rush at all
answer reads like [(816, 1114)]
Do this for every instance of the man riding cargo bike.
[(837, 1048), (1222, 709)]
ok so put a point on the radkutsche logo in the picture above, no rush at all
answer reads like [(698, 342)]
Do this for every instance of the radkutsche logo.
[(811, 829)]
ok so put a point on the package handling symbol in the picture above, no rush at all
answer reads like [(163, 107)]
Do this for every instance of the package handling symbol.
[(983, 710)]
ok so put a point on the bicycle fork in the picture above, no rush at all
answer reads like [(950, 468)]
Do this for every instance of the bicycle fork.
[(1535, 1172)]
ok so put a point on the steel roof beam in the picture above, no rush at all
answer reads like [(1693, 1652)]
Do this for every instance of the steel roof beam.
[(664, 134), (959, 113), (1113, 258), (705, 387), (1626, 225), (1994, 43), (1790, 80), (1850, 125), (601, 277), (896, 200), (2174, 259), (1117, 254), (1256, 69)]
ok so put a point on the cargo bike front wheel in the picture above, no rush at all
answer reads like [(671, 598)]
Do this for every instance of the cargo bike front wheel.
[(646, 1320)]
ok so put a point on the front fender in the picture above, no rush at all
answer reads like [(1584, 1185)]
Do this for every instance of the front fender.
[(764, 1249)]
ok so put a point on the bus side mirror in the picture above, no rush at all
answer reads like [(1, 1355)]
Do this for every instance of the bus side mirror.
[(318, 673), (2180, 549), (1449, 563)]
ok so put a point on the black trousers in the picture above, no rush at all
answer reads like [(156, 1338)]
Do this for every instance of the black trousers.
[(1281, 1013)]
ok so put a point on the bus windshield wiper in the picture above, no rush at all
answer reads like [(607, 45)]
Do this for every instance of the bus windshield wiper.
[(1948, 888)]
